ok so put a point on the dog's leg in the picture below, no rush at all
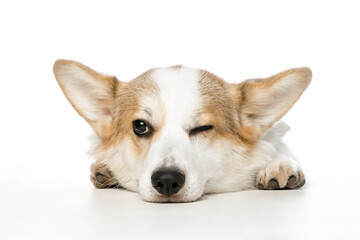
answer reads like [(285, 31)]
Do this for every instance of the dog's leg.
[(281, 174), (102, 177)]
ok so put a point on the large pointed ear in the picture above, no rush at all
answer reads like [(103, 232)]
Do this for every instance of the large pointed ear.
[(90, 93), (264, 101)]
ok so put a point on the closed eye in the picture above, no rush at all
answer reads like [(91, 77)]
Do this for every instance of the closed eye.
[(200, 129)]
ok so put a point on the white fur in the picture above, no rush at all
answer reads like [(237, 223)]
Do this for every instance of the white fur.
[(180, 96)]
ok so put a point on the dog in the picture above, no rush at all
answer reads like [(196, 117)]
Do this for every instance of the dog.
[(176, 133)]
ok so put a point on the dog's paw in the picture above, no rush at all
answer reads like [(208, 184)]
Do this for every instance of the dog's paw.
[(102, 177), (283, 174)]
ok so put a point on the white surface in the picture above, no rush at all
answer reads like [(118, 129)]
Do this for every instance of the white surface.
[(45, 189)]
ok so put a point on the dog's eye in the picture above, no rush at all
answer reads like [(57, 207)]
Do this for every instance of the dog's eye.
[(141, 128), (200, 129)]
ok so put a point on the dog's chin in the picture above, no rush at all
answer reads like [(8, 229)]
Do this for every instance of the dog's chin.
[(177, 198)]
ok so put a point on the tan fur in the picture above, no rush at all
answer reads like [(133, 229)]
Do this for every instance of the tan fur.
[(122, 103), (102, 129), (252, 106), (126, 106), (176, 67), (224, 103), (220, 108)]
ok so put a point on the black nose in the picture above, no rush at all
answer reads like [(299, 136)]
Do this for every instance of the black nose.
[(167, 181)]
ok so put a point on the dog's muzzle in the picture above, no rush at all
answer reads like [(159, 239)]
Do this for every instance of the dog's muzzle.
[(167, 181)]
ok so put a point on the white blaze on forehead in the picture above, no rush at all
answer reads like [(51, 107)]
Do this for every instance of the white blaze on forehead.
[(180, 92)]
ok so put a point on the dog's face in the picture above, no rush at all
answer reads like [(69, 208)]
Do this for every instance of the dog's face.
[(172, 133)]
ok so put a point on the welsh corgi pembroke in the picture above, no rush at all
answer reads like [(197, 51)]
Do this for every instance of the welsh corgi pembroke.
[(176, 133)]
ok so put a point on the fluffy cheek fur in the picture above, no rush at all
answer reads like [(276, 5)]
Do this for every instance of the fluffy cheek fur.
[(123, 161), (233, 167)]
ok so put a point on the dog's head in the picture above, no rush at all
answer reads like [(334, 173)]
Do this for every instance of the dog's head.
[(169, 132)]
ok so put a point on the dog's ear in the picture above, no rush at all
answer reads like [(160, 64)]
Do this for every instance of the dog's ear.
[(262, 102), (90, 93)]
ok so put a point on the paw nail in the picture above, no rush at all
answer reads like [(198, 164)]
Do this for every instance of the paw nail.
[(273, 183), (291, 180), (99, 178), (302, 183), (260, 186)]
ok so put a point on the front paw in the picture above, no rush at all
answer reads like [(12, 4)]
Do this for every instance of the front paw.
[(282, 174), (102, 177)]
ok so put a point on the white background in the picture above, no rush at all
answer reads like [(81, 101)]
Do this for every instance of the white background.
[(45, 192)]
